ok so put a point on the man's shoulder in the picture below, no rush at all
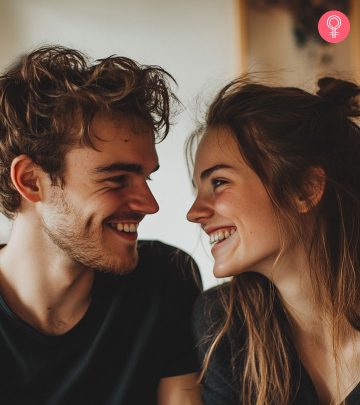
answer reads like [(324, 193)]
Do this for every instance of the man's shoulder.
[(163, 260), (158, 250)]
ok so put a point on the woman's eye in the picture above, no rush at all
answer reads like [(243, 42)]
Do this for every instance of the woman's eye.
[(148, 178), (217, 183)]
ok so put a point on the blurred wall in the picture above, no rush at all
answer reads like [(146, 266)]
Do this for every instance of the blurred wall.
[(273, 50), (196, 41)]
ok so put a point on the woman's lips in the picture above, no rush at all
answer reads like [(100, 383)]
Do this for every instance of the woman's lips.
[(222, 242)]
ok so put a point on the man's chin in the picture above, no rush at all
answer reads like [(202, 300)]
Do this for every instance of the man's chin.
[(119, 266)]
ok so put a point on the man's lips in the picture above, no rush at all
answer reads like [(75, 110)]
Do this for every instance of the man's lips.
[(127, 235), (124, 226)]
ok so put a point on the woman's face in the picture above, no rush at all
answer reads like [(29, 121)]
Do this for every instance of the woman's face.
[(233, 208)]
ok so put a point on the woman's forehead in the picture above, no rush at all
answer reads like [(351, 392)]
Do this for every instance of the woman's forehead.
[(218, 141), (217, 148)]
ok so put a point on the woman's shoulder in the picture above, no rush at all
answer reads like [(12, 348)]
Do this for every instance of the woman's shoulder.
[(220, 385), (210, 311)]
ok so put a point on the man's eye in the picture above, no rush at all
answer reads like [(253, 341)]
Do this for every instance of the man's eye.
[(119, 180), (217, 183)]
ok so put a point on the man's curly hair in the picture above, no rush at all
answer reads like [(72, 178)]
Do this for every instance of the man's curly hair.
[(49, 98)]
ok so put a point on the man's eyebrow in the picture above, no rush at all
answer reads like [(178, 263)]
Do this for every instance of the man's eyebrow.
[(207, 172), (123, 167)]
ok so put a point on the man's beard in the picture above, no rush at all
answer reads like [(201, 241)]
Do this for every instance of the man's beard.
[(83, 242)]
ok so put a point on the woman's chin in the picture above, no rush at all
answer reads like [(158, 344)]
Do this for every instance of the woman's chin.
[(222, 271)]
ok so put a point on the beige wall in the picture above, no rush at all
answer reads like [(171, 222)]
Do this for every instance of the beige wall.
[(272, 49)]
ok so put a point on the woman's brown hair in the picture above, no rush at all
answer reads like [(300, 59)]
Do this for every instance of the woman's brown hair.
[(283, 133), (49, 98)]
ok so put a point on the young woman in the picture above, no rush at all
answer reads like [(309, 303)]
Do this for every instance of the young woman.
[(277, 173)]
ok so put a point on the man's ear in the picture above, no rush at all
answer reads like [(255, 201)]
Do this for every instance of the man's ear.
[(25, 178), (314, 186)]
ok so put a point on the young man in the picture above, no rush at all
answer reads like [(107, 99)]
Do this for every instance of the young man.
[(87, 314)]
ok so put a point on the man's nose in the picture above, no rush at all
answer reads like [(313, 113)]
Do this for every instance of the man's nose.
[(143, 201)]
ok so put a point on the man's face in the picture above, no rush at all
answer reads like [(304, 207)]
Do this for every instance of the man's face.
[(95, 217)]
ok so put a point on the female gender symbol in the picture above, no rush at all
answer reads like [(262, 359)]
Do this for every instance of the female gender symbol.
[(339, 26), (333, 28)]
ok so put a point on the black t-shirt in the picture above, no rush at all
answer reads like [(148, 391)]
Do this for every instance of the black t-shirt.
[(136, 331), (221, 386)]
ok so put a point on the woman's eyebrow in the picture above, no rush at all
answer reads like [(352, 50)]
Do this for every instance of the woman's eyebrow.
[(207, 172)]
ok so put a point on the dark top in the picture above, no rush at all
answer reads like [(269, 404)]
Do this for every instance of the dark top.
[(220, 385), (136, 331)]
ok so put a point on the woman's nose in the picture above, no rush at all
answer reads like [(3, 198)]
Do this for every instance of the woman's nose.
[(199, 211)]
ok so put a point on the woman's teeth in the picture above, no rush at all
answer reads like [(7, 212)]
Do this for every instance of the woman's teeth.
[(218, 236), (124, 227)]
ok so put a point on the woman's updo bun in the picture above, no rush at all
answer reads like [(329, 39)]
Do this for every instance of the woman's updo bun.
[(340, 94)]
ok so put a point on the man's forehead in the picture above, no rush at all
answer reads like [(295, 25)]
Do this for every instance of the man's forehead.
[(115, 139), (105, 125)]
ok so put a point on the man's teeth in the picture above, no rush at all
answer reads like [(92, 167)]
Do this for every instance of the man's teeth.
[(125, 227), (218, 236)]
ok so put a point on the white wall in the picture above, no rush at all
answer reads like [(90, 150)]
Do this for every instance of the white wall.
[(195, 40)]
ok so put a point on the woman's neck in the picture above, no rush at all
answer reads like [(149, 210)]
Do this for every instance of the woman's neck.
[(330, 352), (308, 305)]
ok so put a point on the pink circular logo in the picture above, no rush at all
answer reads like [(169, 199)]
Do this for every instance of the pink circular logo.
[(334, 26)]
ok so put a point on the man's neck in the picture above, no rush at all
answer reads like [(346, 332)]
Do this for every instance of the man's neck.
[(40, 283)]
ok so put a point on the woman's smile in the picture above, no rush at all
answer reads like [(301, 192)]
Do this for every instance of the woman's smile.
[(233, 207)]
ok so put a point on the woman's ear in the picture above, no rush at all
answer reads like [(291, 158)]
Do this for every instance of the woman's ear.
[(25, 178), (314, 186)]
